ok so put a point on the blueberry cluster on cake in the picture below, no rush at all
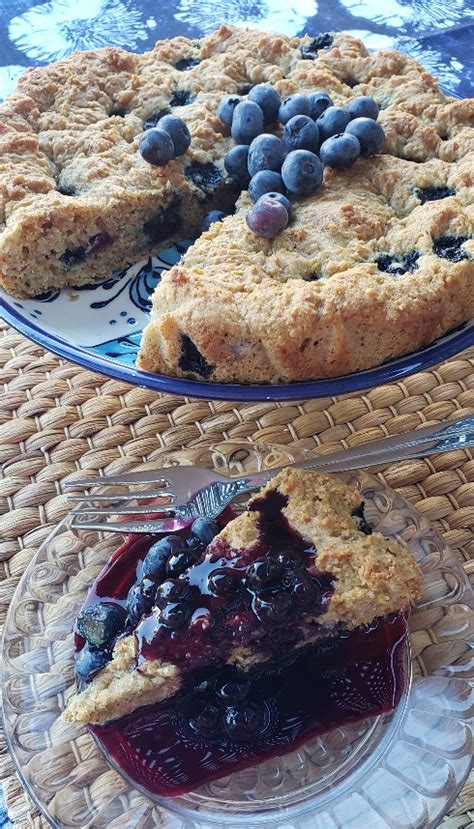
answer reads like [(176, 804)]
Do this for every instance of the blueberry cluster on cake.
[(299, 565), (370, 261)]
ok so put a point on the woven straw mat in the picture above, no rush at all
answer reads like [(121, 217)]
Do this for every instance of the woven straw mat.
[(57, 419)]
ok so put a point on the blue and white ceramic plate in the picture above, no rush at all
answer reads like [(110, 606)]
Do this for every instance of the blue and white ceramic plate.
[(99, 326)]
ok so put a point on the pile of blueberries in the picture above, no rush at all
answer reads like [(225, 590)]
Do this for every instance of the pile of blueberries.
[(169, 139), (315, 134), (169, 557)]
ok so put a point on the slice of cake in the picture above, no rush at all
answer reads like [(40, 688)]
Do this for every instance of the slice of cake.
[(300, 564)]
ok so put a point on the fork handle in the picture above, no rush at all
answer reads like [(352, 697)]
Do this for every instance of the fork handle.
[(457, 434)]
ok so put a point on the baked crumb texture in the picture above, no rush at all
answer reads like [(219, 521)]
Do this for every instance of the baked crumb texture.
[(373, 577), (78, 201)]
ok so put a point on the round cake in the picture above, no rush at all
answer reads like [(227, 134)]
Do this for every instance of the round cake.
[(375, 263)]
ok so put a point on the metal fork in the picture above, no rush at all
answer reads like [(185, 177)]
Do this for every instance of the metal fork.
[(182, 493)]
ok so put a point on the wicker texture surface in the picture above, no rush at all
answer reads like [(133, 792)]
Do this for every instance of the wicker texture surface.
[(57, 420)]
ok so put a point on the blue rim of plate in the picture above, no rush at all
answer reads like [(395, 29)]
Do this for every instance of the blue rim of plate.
[(386, 373)]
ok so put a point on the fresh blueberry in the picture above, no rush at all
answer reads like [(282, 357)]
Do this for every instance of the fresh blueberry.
[(339, 151), (222, 582), (296, 104), (332, 121), (210, 218), (263, 572), (242, 722), (205, 529), (175, 615), (235, 162), (154, 563), (178, 132), (153, 119), (370, 134), (319, 102), (280, 198), (363, 107), (100, 622), (156, 146), (178, 563), (273, 609), (138, 604), (301, 133), (265, 153), (266, 181), (247, 122), (268, 100), (90, 660), (302, 172), (267, 218), (226, 109)]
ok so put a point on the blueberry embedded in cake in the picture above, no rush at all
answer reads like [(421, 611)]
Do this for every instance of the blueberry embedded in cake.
[(298, 566)]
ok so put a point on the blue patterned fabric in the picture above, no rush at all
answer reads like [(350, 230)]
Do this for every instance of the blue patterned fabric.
[(32, 33)]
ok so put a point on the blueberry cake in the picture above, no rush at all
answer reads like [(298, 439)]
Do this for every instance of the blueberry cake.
[(378, 262), (299, 566)]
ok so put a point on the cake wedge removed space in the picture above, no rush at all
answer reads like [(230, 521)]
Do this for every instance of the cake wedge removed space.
[(299, 565)]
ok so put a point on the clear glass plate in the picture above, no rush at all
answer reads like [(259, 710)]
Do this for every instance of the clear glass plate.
[(397, 771)]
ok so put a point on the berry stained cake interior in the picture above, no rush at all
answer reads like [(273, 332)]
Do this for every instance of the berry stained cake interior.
[(106, 156), (248, 635)]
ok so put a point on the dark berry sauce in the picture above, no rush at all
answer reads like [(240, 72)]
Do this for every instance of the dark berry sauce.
[(176, 746), (264, 599)]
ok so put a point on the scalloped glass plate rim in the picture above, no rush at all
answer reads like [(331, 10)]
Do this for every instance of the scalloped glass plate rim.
[(447, 346)]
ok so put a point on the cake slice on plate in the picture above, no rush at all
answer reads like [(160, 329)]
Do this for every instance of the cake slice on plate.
[(298, 565)]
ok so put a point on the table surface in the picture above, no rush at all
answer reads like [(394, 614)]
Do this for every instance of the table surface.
[(32, 33)]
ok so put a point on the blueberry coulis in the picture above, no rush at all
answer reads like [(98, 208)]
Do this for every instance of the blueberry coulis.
[(236, 721), (231, 719)]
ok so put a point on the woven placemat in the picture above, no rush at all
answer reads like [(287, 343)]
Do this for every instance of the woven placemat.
[(57, 419)]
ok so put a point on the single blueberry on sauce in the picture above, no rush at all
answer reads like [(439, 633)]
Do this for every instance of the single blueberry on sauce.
[(227, 719)]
